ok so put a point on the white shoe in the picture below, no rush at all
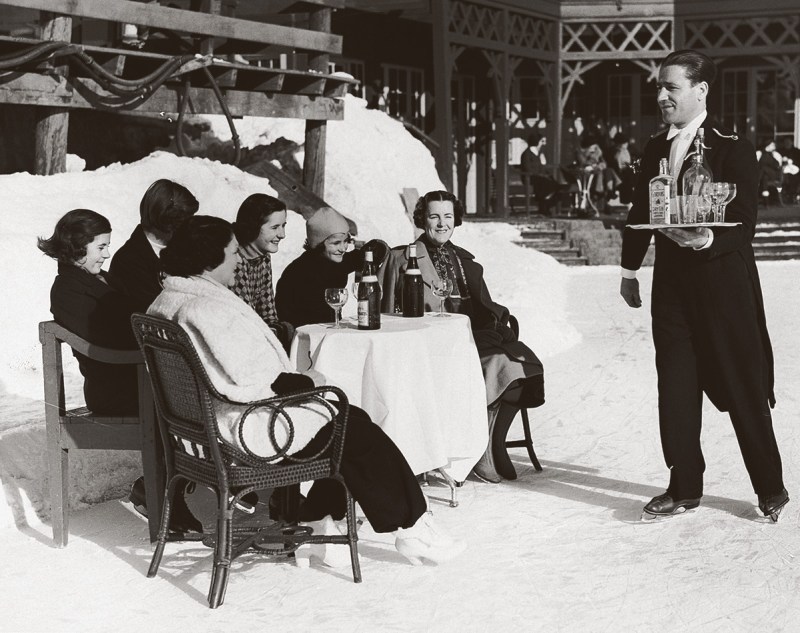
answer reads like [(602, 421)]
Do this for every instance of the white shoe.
[(425, 540), (330, 554)]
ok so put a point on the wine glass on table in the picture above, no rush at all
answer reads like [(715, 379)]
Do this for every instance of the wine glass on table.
[(336, 298), (442, 288)]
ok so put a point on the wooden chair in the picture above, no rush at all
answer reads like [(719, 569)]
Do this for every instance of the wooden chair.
[(81, 429), (194, 451), (526, 425)]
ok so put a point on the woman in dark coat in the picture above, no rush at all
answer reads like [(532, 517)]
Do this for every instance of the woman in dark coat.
[(326, 263), (84, 300), (513, 374)]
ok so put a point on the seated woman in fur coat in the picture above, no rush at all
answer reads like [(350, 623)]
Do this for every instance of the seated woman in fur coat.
[(245, 362)]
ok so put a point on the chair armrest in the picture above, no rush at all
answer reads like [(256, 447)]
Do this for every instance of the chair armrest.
[(277, 404), (90, 350)]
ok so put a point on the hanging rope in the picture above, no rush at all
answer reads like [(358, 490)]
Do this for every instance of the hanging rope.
[(125, 93)]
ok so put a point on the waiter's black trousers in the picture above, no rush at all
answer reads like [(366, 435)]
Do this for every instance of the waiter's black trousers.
[(681, 341)]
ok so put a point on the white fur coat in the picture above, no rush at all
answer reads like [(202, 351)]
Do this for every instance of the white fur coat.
[(241, 356)]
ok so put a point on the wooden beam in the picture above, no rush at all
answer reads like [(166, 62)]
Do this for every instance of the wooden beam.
[(188, 21), (502, 47), (316, 130), (52, 124), (46, 90)]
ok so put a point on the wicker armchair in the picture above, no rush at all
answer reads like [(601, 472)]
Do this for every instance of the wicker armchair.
[(194, 451)]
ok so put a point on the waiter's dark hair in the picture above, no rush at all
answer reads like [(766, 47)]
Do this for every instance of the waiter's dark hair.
[(698, 66)]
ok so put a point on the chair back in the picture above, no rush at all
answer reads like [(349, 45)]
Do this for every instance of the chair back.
[(184, 400)]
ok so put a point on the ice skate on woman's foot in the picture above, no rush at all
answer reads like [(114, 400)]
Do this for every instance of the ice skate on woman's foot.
[(772, 505), (426, 541), (333, 555), (665, 506)]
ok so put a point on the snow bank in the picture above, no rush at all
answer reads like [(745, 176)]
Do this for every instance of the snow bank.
[(370, 159)]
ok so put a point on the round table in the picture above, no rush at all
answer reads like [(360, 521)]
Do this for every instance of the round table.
[(419, 379)]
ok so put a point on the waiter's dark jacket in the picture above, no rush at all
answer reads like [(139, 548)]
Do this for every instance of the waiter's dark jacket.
[(709, 327)]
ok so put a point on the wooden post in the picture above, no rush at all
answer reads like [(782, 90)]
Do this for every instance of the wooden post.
[(316, 130), (502, 81), (52, 124), (442, 73)]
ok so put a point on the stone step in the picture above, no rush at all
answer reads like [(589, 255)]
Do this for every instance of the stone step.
[(769, 227), (573, 261), (777, 256), (553, 234), (777, 237)]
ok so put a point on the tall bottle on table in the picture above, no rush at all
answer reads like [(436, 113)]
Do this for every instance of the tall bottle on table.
[(694, 183), (413, 298), (369, 296)]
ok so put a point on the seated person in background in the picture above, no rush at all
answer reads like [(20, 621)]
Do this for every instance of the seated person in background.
[(536, 173), (326, 263), (513, 374), (770, 174), (83, 299), (260, 226), (135, 265), (589, 159), (246, 362), (622, 168)]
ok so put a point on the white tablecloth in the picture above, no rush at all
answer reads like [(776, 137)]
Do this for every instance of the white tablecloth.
[(419, 379)]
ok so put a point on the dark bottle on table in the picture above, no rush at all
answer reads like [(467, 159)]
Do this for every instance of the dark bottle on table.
[(413, 289), (369, 296)]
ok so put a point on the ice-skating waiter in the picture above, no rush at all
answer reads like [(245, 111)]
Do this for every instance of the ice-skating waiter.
[(709, 328)]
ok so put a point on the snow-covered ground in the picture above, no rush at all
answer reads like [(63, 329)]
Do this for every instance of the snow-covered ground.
[(560, 550)]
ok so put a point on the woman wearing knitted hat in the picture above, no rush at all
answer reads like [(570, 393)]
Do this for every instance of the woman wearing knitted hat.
[(327, 261)]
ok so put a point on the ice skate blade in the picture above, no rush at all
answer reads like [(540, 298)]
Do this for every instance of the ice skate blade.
[(648, 516)]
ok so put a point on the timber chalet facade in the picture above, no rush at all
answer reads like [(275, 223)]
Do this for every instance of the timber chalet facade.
[(473, 78)]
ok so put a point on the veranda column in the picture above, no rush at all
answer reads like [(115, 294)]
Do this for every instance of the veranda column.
[(442, 74), (52, 124), (316, 130)]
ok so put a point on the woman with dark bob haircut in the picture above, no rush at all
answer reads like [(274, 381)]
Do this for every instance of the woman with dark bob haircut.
[(513, 374), (245, 362), (260, 226), (164, 206), (84, 300)]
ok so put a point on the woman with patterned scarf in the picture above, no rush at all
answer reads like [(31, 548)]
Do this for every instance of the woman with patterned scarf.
[(260, 226), (514, 376)]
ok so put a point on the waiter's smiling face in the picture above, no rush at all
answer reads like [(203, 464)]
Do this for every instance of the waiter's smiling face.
[(680, 100)]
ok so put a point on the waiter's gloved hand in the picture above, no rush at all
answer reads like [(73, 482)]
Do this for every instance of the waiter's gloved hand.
[(690, 238), (629, 289)]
